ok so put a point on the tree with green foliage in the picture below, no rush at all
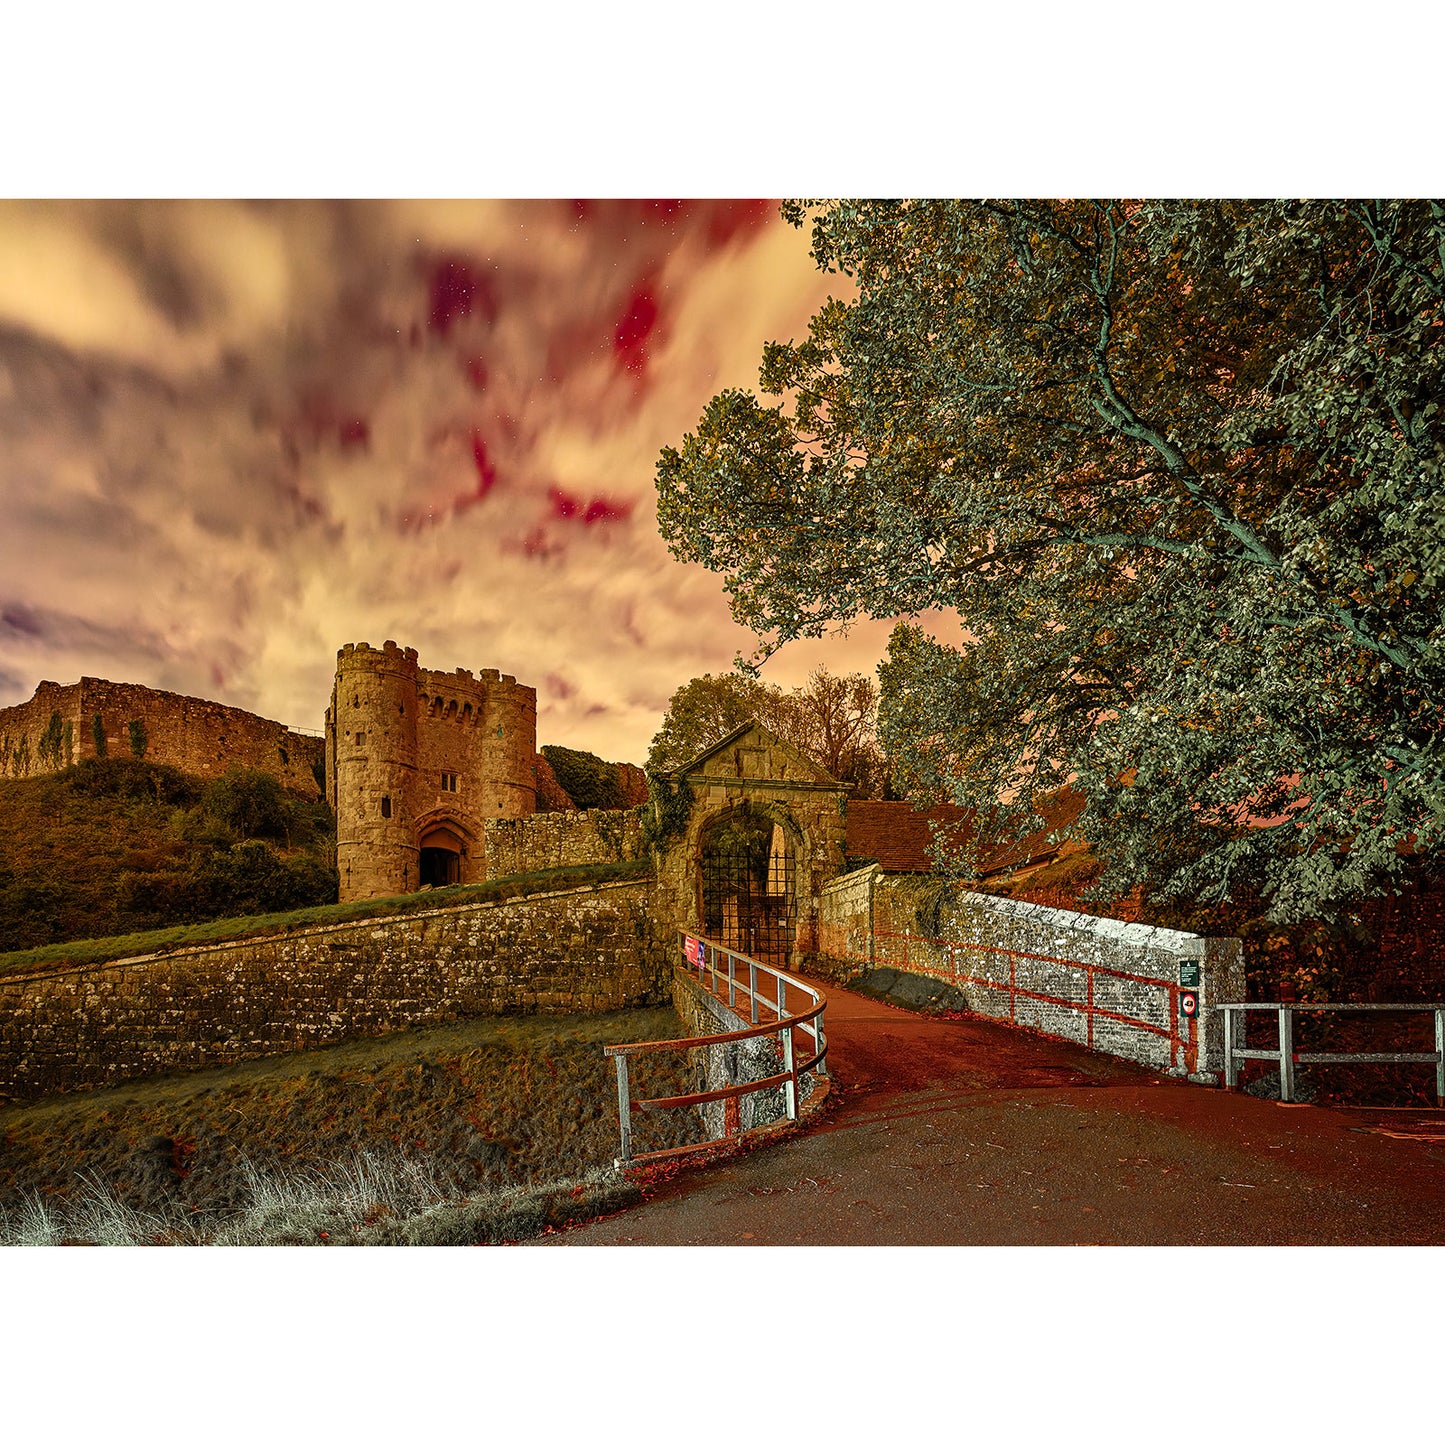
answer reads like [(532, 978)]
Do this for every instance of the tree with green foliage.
[(50, 749), (703, 712), (1177, 466), (250, 803), (587, 779), (136, 732), (832, 720)]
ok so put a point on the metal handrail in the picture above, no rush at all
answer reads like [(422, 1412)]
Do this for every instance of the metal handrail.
[(1180, 1033), (810, 1022), (1288, 1056)]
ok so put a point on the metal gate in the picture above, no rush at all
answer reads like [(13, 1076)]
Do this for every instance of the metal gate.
[(748, 898)]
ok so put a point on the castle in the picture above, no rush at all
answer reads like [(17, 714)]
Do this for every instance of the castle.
[(416, 762), (413, 762)]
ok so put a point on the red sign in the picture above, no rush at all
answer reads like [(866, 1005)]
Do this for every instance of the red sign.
[(692, 950), (1188, 1003)]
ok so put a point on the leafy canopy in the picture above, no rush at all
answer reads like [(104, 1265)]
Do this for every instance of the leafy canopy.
[(832, 720), (1178, 468)]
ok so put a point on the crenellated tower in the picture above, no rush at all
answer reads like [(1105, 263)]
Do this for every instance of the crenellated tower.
[(371, 744), (416, 762)]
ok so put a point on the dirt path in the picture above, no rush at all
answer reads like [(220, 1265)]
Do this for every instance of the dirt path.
[(968, 1132)]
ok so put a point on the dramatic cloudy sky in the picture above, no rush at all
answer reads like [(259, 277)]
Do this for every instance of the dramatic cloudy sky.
[(235, 436)]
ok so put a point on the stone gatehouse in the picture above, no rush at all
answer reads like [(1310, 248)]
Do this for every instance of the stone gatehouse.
[(764, 834)]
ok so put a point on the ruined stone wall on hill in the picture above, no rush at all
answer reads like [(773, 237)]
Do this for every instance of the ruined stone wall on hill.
[(583, 950), (28, 733), (197, 736), (190, 733), (551, 795), (561, 840)]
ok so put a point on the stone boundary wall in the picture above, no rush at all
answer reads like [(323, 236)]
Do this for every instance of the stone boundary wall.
[(703, 1013), (583, 950), (1108, 985), (190, 733), (845, 926), (561, 840)]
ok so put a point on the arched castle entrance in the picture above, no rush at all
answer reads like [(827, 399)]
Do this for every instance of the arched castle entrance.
[(444, 846), (763, 834), (747, 882)]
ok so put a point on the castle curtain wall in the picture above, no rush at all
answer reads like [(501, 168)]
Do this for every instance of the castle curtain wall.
[(200, 737), (577, 951), (24, 727)]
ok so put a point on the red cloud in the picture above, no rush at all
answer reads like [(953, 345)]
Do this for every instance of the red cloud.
[(486, 469), (727, 220), (566, 508), (458, 288), (629, 337)]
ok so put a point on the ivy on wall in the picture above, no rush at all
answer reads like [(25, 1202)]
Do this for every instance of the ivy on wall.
[(667, 818), (48, 750)]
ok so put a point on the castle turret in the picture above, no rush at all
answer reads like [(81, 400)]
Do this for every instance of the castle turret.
[(505, 747), (372, 732)]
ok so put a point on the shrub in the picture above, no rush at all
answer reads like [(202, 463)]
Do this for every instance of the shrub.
[(251, 804), (136, 730), (51, 742), (248, 879), (585, 778), (137, 781)]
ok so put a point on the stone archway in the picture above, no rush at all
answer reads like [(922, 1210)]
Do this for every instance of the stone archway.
[(444, 851), (747, 882), (753, 769)]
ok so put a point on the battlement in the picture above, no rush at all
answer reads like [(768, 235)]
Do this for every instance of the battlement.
[(488, 685), (363, 654)]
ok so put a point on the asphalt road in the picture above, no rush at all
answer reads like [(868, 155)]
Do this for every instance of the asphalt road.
[(945, 1131)]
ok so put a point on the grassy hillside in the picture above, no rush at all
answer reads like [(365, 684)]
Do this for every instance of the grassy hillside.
[(588, 781), (118, 845)]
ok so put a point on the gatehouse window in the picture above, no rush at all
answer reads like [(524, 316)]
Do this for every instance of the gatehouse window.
[(360, 739), (386, 807), (449, 782)]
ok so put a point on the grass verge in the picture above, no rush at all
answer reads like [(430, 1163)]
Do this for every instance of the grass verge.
[(374, 1199), (470, 1132)]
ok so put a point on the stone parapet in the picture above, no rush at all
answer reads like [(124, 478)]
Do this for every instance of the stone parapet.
[(562, 840), (583, 950), (1109, 985)]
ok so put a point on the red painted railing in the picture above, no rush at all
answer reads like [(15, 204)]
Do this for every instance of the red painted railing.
[(1182, 1034), (724, 968)]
